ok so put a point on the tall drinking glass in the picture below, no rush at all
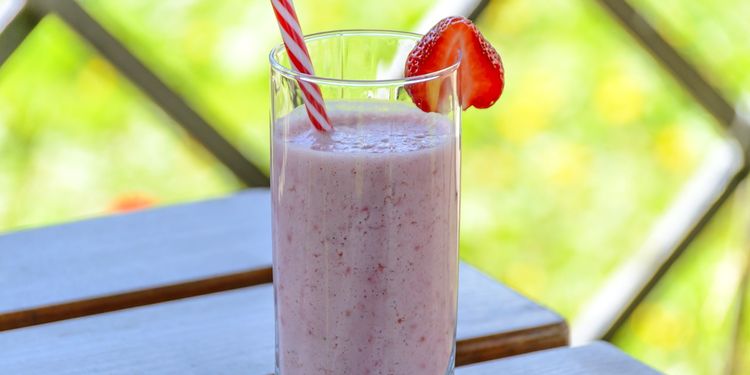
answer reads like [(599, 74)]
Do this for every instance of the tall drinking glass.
[(365, 217)]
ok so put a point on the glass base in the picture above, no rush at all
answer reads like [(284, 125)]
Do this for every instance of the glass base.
[(450, 371)]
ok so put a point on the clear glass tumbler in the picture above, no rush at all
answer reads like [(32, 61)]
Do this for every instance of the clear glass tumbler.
[(365, 217)]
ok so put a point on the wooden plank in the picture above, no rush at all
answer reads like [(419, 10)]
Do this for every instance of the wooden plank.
[(496, 322), (593, 359), (223, 333), (232, 332), (98, 266), (97, 305), (115, 262)]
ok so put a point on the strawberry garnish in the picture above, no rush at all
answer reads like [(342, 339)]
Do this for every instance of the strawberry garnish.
[(480, 74)]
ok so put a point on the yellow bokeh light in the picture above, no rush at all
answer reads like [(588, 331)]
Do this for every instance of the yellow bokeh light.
[(533, 108), (566, 163), (671, 148), (200, 40), (515, 15), (97, 77), (662, 327), (529, 278), (498, 166), (619, 99)]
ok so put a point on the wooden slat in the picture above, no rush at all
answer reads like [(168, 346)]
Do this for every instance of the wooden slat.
[(98, 305), (232, 332), (593, 359), (124, 261), (495, 322), (160, 255), (115, 262), (224, 333)]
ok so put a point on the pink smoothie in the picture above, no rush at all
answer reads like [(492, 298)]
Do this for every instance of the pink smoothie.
[(365, 236)]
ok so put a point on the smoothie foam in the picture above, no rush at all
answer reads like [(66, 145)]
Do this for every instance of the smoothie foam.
[(365, 241)]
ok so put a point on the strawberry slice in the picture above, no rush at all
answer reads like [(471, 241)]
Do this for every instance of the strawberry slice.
[(480, 74)]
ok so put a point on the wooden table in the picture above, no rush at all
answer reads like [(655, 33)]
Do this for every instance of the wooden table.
[(114, 291)]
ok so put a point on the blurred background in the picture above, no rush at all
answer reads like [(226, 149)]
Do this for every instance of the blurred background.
[(603, 184)]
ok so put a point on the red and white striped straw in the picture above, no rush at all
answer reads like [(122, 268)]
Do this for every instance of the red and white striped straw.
[(291, 33)]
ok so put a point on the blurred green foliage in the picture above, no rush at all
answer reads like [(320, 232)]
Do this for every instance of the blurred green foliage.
[(561, 180)]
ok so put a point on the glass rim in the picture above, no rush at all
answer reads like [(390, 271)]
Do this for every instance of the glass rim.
[(293, 74)]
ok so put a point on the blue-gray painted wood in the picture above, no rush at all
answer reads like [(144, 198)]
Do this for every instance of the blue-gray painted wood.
[(594, 359), (135, 251)]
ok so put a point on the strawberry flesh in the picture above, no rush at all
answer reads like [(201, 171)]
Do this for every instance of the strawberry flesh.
[(481, 76)]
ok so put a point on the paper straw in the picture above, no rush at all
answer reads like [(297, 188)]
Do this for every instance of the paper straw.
[(291, 33)]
